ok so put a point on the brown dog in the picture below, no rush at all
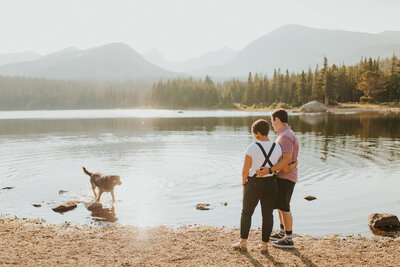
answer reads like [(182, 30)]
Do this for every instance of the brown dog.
[(105, 183)]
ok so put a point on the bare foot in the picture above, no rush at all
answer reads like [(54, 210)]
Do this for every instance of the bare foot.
[(240, 245), (263, 247)]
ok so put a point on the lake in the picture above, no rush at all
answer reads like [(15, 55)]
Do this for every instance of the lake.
[(170, 161)]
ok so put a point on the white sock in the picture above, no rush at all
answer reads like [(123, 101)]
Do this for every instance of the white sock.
[(282, 230), (288, 236)]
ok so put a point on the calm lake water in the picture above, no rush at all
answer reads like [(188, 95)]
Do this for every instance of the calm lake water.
[(170, 161)]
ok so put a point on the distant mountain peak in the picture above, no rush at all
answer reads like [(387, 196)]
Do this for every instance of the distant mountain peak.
[(62, 51), (153, 55), (114, 61), (291, 27), (116, 45)]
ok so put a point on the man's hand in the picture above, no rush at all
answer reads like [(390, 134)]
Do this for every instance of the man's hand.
[(262, 171)]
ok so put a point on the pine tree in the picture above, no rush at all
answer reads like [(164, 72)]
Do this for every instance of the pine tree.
[(316, 93), (372, 85), (249, 93), (258, 90), (393, 83), (301, 91), (267, 91)]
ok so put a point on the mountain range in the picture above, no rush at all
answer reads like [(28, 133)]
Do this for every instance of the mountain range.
[(18, 57), (292, 47), (115, 61)]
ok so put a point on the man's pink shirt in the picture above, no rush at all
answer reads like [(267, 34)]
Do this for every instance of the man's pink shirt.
[(289, 144)]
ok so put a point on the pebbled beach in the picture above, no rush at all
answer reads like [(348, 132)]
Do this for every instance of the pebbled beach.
[(25, 242)]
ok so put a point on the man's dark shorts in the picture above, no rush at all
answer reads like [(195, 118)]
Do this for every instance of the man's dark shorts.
[(285, 187)]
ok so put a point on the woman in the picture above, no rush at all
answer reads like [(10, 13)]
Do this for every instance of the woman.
[(264, 189)]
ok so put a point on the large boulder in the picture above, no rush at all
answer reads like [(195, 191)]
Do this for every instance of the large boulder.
[(66, 206), (313, 107), (383, 221)]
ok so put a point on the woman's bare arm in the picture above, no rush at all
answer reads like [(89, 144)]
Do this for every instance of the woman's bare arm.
[(246, 169)]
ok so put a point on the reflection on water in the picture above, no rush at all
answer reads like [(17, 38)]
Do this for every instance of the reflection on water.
[(104, 214), (350, 162), (385, 232)]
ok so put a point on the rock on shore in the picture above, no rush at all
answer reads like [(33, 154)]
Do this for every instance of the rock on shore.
[(383, 220), (313, 106)]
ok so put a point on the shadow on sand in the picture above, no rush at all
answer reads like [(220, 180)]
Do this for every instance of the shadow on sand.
[(306, 261), (252, 260)]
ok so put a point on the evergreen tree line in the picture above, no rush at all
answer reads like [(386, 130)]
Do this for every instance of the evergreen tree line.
[(19, 93), (368, 81)]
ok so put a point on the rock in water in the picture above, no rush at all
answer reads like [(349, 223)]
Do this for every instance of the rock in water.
[(203, 206), (7, 187), (66, 206), (94, 206), (309, 198), (383, 220), (313, 106)]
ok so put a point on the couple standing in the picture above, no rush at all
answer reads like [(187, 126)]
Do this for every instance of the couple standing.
[(269, 176)]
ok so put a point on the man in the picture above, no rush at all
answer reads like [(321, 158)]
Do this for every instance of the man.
[(286, 180)]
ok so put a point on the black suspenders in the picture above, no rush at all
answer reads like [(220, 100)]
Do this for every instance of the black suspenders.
[(266, 156)]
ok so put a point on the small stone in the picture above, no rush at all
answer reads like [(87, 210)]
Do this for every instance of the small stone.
[(225, 203), (66, 206), (309, 198), (36, 205), (203, 206), (62, 192)]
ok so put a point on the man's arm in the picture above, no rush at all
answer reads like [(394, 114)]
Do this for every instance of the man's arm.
[(246, 169), (282, 164), (292, 165)]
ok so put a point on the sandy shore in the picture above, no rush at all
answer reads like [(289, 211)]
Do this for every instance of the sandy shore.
[(32, 243), (349, 107), (340, 108)]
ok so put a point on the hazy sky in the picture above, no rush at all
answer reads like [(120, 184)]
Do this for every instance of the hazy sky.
[(179, 29)]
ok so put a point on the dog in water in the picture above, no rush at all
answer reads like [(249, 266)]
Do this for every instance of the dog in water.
[(105, 183)]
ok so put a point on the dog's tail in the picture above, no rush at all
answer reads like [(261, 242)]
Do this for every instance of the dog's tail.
[(86, 171)]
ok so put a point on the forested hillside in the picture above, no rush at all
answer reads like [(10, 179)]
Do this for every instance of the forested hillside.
[(371, 80)]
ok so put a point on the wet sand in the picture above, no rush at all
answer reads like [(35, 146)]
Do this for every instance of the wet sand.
[(32, 243)]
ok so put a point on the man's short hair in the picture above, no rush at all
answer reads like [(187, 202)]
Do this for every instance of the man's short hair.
[(261, 126), (281, 114)]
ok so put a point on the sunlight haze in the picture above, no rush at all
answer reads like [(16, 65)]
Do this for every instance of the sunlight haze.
[(178, 29)]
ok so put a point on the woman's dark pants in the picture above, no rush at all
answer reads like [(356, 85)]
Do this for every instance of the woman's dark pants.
[(264, 190)]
